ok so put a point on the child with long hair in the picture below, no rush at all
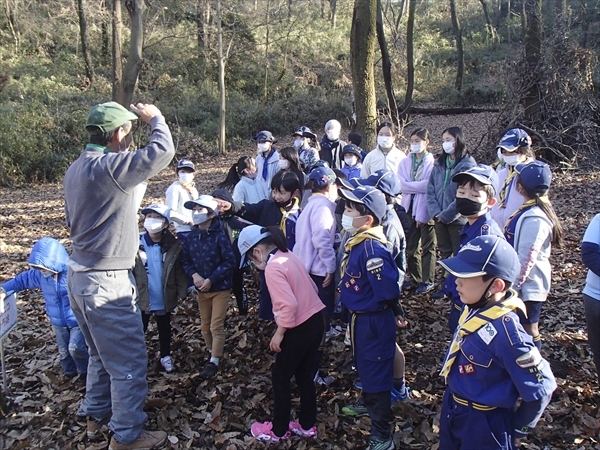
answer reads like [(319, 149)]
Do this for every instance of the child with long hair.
[(532, 230), (242, 178), (297, 310), (413, 173)]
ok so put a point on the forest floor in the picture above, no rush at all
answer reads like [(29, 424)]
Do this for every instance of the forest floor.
[(216, 414)]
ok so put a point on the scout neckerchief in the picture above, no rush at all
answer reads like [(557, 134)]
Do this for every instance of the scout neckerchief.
[(472, 320), (511, 224), (188, 187), (417, 166), (265, 167), (285, 213), (375, 233), (450, 163), (97, 147), (503, 194)]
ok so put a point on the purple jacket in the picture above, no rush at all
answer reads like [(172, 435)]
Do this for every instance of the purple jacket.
[(315, 236), (415, 190)]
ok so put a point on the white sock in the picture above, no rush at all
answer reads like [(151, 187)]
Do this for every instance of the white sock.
[(214, 360)]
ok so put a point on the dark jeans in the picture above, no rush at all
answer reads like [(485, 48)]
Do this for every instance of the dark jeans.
[(163, 323), (239, 291), (420, 251), (380, 411), (592, 317), (326, 294), (296, 358), (265, 304)]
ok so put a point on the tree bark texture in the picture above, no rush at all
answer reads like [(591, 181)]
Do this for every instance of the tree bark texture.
[(488, 19), (135, 9), (333, 12), (533, 44), (222, 102), (460, 56), (117, 63), (362, 56), (10, 10), (85, 47), (386, 65), (410, 57)]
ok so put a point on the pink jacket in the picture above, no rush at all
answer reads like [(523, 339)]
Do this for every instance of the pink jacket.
[(417, 190), (293, 292)]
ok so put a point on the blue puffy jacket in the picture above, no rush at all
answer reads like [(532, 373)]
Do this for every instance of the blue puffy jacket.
[(49, 254)]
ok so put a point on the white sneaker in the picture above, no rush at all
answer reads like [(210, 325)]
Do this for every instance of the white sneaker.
[(323, 380), (333, 332), (167, 363)]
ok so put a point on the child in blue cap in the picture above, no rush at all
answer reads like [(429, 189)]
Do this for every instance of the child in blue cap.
[(369, 285), (475, 197), (491, 362)]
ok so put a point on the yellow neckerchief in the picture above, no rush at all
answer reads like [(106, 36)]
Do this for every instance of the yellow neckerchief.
[(188, 186), (372, 233), (472, 320), (527, 204), (503, 194), (287, 212)]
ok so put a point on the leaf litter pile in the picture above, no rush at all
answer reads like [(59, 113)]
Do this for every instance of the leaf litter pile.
[(216, 414)]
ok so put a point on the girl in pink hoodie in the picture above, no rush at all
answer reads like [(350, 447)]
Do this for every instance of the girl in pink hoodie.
[(297, 310)]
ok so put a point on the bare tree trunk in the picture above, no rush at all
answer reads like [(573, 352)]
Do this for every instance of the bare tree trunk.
[(488, 19), (105, 52), (203, 23), (222, 104), (410, 57), (533, 44), (362, 56), (10, 10), (460, 56), (266, 89), (333, 12), (89, 70), (117, 62), (135, 9), (386, 65)]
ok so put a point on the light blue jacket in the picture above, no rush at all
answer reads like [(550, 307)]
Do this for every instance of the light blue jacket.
[(51, 255)]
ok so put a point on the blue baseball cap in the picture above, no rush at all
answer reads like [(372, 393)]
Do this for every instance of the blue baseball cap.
[(513, 139), (536, 176), (353, 150), (206, 201), (158, 208), (369, 196), (348, 183), (264, 136), (248, 238), (186, 164), (482, 173), (384, 180), (484, 255), (322, 177)]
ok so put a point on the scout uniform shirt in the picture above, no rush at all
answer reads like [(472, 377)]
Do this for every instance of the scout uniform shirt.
[(483, 226), (369, 282)]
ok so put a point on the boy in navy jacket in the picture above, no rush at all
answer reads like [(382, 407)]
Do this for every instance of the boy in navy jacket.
[(209, 259)]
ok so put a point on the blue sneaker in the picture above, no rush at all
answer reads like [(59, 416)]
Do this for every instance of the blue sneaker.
[(358, 385), (398, 397), (424, 288)]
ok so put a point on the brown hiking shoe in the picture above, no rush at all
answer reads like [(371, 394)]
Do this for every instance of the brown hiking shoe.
[(94, 428), (148, 440)]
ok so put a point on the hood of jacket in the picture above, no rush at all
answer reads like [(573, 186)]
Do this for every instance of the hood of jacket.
[(49, 254)]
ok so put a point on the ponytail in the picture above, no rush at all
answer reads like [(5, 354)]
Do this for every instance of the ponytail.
[(276, 238), (232, 178), (548, 209)]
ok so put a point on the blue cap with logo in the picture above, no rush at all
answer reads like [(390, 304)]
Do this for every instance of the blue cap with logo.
[(369, 196), (248, 238), (158, 208), (264, 136), (186, 164), (484, 255), (384, 180), (513, 139), (482, 173), (205, 201), (535, 176), (322, 177)]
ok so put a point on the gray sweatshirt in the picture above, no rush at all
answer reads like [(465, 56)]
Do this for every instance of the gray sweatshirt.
[(103, 192)]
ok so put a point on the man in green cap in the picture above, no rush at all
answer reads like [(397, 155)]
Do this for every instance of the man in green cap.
[(103, 192)]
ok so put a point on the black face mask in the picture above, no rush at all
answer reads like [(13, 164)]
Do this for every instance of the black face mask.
[(468, 207)]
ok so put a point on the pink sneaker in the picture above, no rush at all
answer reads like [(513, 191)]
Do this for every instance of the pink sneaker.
[(263, 431), (296, 428)]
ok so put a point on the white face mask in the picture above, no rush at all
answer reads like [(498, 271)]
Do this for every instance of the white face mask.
[(511, 160), (417, 148), (186, 177), (298, 143), (263, 147), (333, 135), (262, 265), (199, 217), (284, 164), (153, 225), (448, 147), (500, 155), (385, 141), (348, 224), (351, 160)]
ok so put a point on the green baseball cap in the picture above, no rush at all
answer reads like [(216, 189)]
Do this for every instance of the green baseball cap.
[(107, 117)]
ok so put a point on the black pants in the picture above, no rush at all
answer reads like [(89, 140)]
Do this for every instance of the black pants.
[(239, 291), (380, 411), (163, 323), (296, 358)]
